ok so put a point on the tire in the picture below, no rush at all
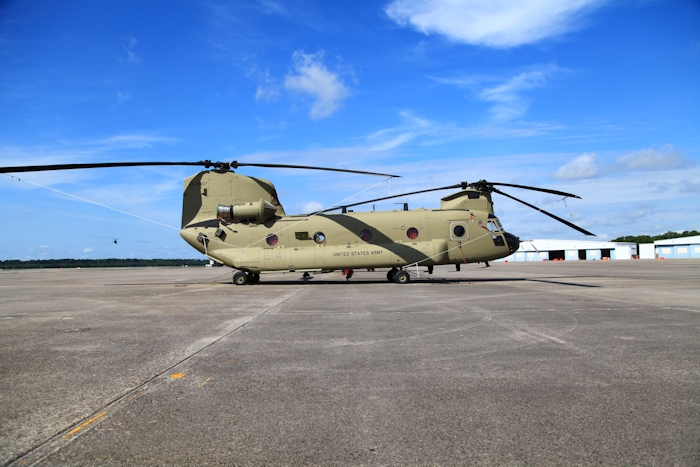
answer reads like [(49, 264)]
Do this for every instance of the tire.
[(240, 278), (401, 277), (253, 277), (390, 275)]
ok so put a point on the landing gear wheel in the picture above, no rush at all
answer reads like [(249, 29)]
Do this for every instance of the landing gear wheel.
[(253, 277), (240, 278), (401, 277), (390, 275)]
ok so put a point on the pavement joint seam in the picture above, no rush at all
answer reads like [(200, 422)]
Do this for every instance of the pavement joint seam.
[(617, 300), (57, 441)]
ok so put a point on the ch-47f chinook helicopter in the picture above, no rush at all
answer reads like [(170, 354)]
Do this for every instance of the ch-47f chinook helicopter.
[(238, 221)]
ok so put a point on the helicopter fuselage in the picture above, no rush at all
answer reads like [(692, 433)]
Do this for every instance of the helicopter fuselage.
[(384, 239), (464, 230)]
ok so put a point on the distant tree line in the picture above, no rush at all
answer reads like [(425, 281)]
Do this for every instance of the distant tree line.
[(650, 239), (99, 263)]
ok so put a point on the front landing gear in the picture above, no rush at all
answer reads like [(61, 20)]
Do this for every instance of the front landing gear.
[(402, 277), (397, 275)]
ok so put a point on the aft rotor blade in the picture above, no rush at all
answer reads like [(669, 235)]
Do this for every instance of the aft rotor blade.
[(41, 168), (586, 232), (236, 164), (533, 188), (388, 197)]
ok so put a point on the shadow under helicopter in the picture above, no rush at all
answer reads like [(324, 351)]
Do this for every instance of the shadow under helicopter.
[(414, 280), (317, 280)]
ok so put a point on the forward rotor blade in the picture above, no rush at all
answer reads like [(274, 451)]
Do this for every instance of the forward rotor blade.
[(388, 197), (586, 232), (533, 188), (236, 164), (205, 163), (41, 168)]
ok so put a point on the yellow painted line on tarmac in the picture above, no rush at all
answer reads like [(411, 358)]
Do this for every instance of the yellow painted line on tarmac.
[(205, 382), (84, 424)]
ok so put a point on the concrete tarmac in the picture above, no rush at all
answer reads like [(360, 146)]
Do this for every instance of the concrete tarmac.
[(551, 363)]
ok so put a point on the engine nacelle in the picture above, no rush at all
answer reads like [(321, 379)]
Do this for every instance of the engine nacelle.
[(257, 211)]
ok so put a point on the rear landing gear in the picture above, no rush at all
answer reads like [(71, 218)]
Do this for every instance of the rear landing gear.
[(240, 278), (390, 274)]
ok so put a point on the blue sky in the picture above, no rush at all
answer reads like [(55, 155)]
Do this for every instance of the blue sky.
[(598, 98)]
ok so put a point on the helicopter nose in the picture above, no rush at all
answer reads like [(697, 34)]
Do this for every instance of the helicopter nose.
[(513, 242)]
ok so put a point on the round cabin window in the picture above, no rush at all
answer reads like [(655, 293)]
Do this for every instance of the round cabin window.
[(272, 240), (319, 237), (459, 231), (366, 235), (412, 233)]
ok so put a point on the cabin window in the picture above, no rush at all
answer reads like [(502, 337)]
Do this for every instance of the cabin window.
[(319, 237), (366, 235), (412, 233), (459, 231), (498, 240), (272, 239), (492, 226)]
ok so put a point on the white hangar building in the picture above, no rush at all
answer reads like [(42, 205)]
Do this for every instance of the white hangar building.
[(686, 247), (568, 250)]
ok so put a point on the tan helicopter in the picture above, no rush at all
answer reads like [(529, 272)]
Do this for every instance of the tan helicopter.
[(238, 221)]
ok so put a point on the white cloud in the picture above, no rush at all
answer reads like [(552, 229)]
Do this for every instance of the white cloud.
[(688, 186), (694, 49), (131, 56), (311, 206), (652, 159), (44, 247), (506, 94), (509, 103), (583, 166), (310, 76), (87, 250), (266, 93), (495, 23), (268, 89), (649, 159), (272, 8), (391, 138), (123, 97), (132, 140)]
